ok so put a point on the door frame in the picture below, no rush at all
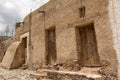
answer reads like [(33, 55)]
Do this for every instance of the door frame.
[(46, 46), (26, 35), (77, 44)]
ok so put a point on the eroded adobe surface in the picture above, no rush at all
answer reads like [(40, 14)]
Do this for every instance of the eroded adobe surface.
[(61, 37)]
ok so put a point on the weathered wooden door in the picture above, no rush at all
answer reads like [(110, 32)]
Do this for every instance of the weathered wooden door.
[(51, 46), (87, 46)]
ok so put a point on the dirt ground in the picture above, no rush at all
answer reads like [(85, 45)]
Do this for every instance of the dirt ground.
[(18, 74)]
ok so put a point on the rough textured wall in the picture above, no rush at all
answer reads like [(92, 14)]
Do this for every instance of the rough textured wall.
[(114, 14), (19, 57), (14, 57), (3, 38), (64, 15), (20, 29), (4, 46)]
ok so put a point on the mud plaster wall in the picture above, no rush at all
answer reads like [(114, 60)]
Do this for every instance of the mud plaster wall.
[(19, 58), (20, 29), (64, 15), (21, 32), (26, 35), (3, 47), (114, 13)]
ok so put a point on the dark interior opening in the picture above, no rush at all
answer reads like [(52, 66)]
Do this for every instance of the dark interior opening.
[(87, 46), (51, 54), (82, 11), (24, 43)]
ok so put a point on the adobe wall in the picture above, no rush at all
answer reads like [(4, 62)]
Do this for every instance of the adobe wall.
[(4, 46), (20, 29), (64, 15), (114, 14)]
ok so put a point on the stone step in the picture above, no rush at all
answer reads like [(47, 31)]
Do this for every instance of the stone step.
[(69, 75)]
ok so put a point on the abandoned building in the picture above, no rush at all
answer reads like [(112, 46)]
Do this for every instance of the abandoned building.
[(5, 42), (65, 31)]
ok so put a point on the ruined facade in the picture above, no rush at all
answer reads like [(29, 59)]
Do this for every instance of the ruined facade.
[(5, 42), (65, 31)]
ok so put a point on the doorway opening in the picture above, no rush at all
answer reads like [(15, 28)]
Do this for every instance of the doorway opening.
[(51, 54), (87, 46), (24, 44)]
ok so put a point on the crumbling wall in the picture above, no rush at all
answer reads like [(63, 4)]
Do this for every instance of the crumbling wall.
[(3, 47), (3, 38), (14, 57), (20, 29), (64, 16), (19, 57), (16, 52)]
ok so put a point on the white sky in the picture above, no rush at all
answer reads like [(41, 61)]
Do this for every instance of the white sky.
[(12, 10)]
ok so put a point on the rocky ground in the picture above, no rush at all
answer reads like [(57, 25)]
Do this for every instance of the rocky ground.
[(19, 74)]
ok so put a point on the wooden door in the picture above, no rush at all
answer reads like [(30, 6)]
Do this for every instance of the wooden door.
[(87, 46), (51, 46)]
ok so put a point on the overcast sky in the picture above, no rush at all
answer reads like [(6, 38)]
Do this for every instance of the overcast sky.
[(12, 10)]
